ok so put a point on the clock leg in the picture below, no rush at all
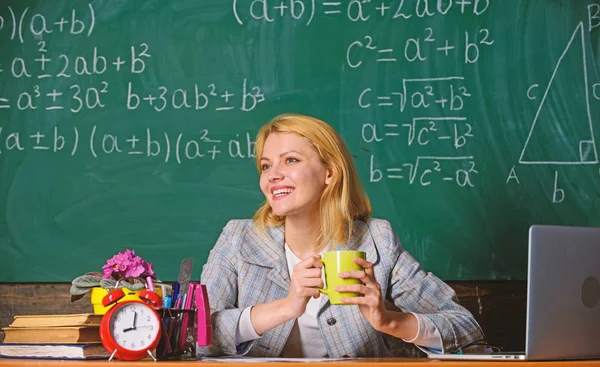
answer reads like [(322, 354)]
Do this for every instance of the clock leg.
[(112, 355), (151, 355)]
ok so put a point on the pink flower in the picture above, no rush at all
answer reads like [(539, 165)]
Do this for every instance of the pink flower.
[(135, 271), (107, 273), (149, 271), (126, 264)]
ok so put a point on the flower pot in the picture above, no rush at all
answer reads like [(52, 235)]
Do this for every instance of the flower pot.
[(98, 293)]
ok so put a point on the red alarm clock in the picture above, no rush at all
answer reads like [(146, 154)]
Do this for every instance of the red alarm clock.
[(130, 330)]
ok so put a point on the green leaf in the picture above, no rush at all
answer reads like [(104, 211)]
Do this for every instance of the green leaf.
[(87, 281), (108, 283), (77, 292), (134, 286), (76, 297)]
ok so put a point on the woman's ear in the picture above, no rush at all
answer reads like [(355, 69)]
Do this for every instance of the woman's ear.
[(329, 176)]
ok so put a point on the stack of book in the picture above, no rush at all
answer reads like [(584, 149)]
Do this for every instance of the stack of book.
[(74, 336)]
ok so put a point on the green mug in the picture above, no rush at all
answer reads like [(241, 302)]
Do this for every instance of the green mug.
[(335, 262)]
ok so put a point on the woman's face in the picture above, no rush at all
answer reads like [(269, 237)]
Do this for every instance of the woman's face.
[(293, 177)]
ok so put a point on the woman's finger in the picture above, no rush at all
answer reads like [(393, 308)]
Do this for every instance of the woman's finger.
[(357, 288), (309, 262), (308, 273), (361, 301), (360, 275), (366, 265), (310, 282), (307, 292)]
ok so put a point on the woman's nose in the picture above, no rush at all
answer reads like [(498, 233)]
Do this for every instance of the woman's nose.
[(275, 174)]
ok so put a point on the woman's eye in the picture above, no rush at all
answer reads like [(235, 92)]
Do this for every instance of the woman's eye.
[(264, 167), (291, 160)]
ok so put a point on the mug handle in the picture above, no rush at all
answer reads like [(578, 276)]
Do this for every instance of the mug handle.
[(323, 290)]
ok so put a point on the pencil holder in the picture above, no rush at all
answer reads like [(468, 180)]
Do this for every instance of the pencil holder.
[(178, 339)]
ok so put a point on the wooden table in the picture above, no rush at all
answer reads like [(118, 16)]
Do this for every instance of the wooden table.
[(371, 362)]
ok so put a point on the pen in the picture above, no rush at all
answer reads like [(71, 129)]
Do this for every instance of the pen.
[(177, 320), (175, 293)]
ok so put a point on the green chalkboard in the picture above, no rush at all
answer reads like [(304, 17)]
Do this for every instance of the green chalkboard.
[(130, 124)]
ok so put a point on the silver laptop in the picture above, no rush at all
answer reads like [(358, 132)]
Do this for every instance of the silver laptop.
[(563, 297)]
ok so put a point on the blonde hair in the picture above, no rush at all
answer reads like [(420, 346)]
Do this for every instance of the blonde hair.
[(343, 200)]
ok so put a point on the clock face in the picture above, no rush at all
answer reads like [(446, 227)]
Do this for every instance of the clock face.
[(134, 326)]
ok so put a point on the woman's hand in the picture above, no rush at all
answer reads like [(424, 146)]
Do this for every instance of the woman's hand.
[(371, 305), (306, 278)]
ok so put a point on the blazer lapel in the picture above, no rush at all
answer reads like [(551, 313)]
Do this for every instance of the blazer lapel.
[(267, 251)]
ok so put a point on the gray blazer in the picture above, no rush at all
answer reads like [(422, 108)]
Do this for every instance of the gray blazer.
[(246, 268)]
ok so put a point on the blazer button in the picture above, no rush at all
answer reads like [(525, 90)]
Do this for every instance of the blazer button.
[(331, 321)]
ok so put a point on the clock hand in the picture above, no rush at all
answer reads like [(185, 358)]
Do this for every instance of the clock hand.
[(133, 323)]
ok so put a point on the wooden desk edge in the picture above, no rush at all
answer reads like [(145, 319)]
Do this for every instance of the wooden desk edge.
[(372, 362)]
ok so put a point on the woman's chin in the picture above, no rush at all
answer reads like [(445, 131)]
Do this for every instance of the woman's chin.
[(284, 212), (280, 213)]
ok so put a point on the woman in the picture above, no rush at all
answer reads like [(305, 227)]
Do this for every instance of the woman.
[(262, 275)]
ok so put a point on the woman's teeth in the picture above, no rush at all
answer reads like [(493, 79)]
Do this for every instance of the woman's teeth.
[(280, 192)]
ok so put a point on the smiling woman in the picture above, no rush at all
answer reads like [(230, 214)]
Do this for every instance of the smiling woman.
[(292, 176), (264, 275), (326, 166)]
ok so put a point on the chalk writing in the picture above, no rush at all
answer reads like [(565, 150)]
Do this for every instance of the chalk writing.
[(76, 97), (354, 10), (19, 25), (198, 98), (424, 131), (414, 49), (419, 94), (164, 145), (587, 150), (422, 170), (430, 119)]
